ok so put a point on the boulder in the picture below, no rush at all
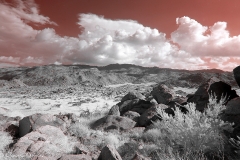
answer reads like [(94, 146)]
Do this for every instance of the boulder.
[(133, 101), (132, 115), (232, 111), (127, 105), (114, 110), (47, 141), (112, 122), (109, 153), (33, 122), (76, 157), (201, 96), (141, 106), (221, 89), (25, 126), (133, 95), (162, 94), (169, 111), (236, 73), (150, 115), (13, 130), (213, 86), (233, 107)]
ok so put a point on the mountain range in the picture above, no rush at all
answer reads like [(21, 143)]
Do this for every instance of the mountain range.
[(107, 75)]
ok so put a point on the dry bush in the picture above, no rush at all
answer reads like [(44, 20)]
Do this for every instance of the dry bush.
[(188, 135), (5, 140)]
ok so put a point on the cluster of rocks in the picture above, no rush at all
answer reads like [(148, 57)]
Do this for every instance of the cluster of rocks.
[(45, 136), (138, 111), (123, 89), (39, 134)]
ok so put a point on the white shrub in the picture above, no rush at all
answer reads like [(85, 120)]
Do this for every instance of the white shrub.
[(5, 140), (112, 139), (194, 132)]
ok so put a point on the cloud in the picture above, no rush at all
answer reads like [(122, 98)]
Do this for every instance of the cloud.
[(105, 41), (14, 19), (200, 40), (9, 59), (212, 44)]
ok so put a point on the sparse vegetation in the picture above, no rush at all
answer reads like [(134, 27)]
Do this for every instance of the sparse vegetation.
[(5, 140), (184, 136), (192, 135)]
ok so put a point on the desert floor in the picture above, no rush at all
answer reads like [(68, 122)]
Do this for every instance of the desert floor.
[(26, 101)]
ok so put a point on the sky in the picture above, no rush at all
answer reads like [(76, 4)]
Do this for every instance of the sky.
[(179, 34)]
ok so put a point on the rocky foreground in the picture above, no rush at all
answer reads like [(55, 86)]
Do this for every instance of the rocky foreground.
[(115, 135)]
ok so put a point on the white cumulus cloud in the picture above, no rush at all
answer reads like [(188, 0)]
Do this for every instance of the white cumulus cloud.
[(105, 41), (213, 44), (200, 40)]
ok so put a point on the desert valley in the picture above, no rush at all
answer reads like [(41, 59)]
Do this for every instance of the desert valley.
[(113, 112)]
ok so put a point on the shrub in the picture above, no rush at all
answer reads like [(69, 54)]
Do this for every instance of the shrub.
[(191, 134), (112, 139), (80, 129), (5, 140)]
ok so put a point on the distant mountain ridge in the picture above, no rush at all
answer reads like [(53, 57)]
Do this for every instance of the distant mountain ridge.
[(110, 74), (118, 66)]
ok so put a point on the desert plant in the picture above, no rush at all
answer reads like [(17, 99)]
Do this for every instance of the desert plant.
[(80, 129), (93, 114), (191, 134), (5, 140)]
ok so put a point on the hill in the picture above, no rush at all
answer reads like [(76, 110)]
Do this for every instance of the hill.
[(107, 75)]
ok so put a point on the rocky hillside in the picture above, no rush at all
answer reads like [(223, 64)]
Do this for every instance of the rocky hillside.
[(156, 125), (106, 75)]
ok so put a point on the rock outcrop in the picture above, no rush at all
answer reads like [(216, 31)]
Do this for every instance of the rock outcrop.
[(232, 111), (162, 94), (133, 102), (112, 122), (150, 115), (213, 87), (236, 73), (33, 122), (127, 105), (46, 140), (114, 110), (13, 130), (132, 115), (132, 96)]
